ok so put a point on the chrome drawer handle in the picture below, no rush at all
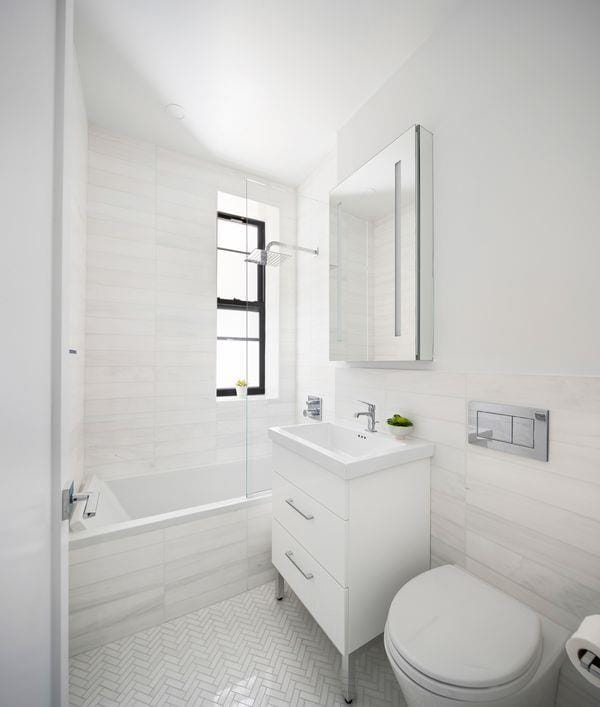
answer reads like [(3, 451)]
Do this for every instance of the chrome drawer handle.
[(307, 575), (290, 502)]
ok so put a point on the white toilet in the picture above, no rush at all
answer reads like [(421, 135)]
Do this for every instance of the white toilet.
[(453, 639)]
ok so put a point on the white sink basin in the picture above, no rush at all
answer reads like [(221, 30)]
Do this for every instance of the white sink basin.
[(346, 451)]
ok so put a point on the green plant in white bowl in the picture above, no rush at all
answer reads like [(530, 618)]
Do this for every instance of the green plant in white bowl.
[(399, 426), (241, 387)]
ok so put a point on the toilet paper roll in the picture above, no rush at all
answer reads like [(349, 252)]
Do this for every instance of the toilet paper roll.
[(586, 638)]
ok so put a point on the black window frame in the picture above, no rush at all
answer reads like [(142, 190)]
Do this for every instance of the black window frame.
[(245, 305)]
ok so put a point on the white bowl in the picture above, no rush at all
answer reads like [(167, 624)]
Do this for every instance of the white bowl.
[(400, 432)]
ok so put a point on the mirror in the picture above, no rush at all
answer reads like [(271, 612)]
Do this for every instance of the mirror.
[(381, 256)]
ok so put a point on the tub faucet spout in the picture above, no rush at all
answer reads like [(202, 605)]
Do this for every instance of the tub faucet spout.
[(70, 498)]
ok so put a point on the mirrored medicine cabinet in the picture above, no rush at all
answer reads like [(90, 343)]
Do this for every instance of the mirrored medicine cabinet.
[(381, 256)]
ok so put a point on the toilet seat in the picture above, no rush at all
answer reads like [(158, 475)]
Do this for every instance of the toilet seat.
[(459, 637), (458, 692)]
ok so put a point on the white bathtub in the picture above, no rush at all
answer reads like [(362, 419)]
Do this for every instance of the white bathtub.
[(140, 497), (161, 546)]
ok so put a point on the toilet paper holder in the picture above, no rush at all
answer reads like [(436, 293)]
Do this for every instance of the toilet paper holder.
[(590, 662)]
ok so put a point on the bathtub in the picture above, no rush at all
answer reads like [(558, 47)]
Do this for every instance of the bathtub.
[(161, 546)]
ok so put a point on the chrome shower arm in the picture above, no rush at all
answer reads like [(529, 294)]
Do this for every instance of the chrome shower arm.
[(314, 251)]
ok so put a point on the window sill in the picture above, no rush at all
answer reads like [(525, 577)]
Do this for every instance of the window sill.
[(237, 399)]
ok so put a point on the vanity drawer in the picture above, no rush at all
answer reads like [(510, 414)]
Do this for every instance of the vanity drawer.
[(322, 485), (324, 598), (315, 527)]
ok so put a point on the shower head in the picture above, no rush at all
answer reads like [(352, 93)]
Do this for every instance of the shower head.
[(275, 258), (267, 257)]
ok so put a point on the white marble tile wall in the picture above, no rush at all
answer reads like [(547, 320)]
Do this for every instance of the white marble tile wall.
[(151, 315), (531, 528), (349, 287), (121, 586), (314, 372), (383, 344), (574, 691)]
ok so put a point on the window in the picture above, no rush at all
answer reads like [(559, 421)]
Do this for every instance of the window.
[(240, 305)]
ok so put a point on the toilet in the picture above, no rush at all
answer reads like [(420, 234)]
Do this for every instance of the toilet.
[(453, 639)]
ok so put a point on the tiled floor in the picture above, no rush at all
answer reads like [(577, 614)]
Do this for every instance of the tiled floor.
[(249, 650)]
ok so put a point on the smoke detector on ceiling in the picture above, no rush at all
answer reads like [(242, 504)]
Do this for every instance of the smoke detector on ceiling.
[(174, 110)]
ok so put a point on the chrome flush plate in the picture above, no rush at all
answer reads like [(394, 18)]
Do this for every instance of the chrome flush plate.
[(510, 428)]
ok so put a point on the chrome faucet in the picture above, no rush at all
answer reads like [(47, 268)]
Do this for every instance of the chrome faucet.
[(70, 498), (370, 414)]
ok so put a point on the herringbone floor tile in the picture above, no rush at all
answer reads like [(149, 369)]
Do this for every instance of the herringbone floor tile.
[(249, 650)]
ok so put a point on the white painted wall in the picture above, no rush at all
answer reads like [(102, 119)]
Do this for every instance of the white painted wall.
[(509, 91), (27, 56), (302, 75)]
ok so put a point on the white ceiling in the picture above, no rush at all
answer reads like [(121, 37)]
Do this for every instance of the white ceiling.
[(265, 84)]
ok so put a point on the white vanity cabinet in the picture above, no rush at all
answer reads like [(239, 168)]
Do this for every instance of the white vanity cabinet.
[(346, 535)]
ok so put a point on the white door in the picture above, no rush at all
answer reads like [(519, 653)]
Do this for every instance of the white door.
[(29, 473), (69, 322)]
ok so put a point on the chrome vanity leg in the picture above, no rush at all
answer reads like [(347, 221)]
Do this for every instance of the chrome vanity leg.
[(279, 591), (347, 678)]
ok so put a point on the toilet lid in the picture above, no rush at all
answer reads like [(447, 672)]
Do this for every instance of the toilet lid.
[(458, 630)]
